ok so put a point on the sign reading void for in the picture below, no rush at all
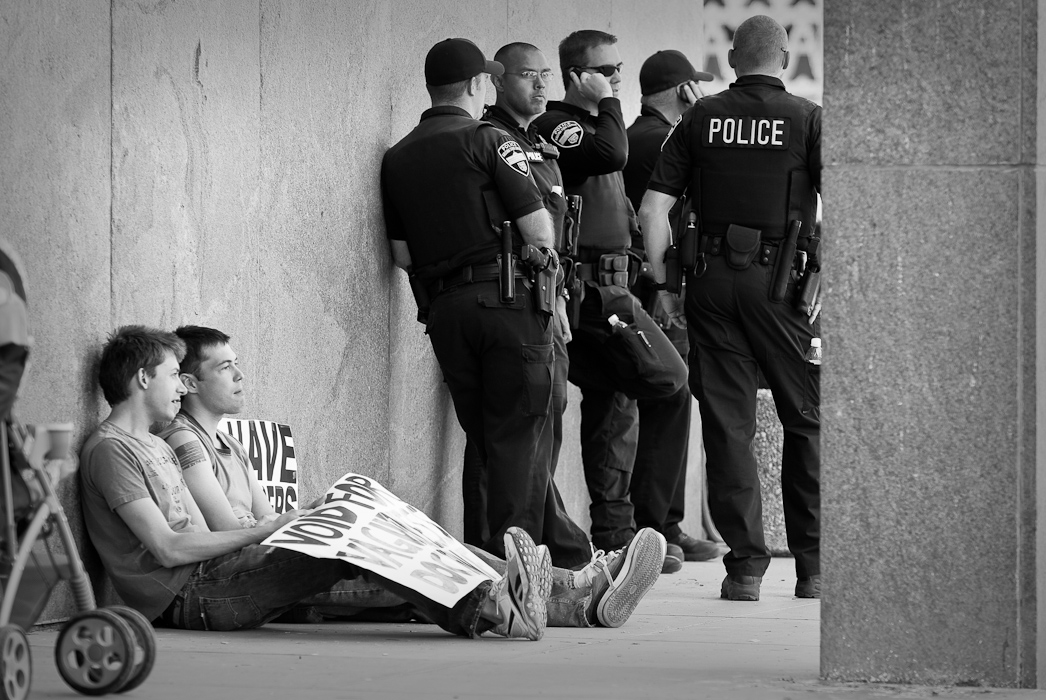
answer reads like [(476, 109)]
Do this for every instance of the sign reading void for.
[(365, 524)]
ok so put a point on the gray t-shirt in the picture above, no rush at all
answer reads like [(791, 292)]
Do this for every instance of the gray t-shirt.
[(117, 468)]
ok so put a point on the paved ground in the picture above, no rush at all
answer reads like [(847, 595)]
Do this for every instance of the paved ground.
[(682, 642)]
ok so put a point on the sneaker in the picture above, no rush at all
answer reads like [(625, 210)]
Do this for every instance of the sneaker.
[(695, 549), (737, 587), (619, 580), (673, 559), (520, 595), (808, 587)]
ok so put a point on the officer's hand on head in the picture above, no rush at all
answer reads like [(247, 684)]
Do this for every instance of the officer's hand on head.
[(592, 86), (690, 92)]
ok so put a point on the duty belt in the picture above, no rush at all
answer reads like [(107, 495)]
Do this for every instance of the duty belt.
[(715, 245), (469, 274)]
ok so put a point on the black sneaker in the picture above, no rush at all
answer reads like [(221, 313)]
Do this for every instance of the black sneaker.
[(737, 587), (808, 587), (673, 559), (695, 549)]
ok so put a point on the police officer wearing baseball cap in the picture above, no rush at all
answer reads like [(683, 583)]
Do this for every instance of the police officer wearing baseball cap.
[(750, 157), (658, 491), (446, 188)]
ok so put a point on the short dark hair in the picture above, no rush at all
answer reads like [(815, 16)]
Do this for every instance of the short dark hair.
[(449, 92), (128, 349), (574, 49), (197, 339), (506, 51)]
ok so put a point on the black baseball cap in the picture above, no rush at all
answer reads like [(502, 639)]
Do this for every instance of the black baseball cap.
[(666, 69), (454, 60)]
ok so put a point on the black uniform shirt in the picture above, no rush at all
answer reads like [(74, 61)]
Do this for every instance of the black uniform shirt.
[(752, 152), (645, 137), (448, 185), (542, 158), (592, 152)]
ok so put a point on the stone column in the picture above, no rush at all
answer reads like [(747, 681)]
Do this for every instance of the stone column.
[(929, 384)]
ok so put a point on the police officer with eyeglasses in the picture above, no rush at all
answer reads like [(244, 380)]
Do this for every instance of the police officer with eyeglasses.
[(617, 354)]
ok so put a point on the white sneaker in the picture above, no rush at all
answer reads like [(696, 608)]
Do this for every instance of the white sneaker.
[(521, 594), (620, 579)]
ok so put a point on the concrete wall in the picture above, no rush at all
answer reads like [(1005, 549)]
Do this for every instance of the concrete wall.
[(217, 163), (930, 457)]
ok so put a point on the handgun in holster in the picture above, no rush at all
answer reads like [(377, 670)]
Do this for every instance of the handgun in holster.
[(785, 261), (810, 283), (421, 296), (683, 257), (575, 291), (544, 271), (506, 265), (572, 226)]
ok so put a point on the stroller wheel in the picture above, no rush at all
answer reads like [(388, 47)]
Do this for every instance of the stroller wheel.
[(16, 664), (95, 652), (144, 646)]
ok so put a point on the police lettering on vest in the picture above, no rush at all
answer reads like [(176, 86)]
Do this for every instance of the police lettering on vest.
[(746, 132)]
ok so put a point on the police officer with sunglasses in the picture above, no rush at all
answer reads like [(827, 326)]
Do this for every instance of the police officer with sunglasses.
[(617, 354)]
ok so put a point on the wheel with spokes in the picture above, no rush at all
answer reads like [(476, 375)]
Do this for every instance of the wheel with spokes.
[(95, 652), (16, 663), (145, 646)]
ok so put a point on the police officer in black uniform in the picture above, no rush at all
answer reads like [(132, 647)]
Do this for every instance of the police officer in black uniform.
[(613, 360), (751, 157), (446, 188), (521, 96), (668, 82)]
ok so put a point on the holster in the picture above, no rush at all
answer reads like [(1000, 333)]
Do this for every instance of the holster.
[(544, 271), (421, 296), (673, 270), (742, 246), (575, 289)]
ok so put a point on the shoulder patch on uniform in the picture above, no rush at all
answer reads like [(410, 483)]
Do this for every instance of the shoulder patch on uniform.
[(568, 134), (514, 157)]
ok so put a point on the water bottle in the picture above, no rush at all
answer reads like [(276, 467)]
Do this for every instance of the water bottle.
[(813, 355)]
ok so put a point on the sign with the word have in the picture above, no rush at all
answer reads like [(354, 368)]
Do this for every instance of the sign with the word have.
[(270, 452), (365, 524)]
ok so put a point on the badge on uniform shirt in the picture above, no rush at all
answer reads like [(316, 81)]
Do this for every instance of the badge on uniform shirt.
[(514, 157), (568, 134)]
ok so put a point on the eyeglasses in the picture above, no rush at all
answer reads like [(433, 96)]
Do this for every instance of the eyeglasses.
[(607, 70), (532, 75)]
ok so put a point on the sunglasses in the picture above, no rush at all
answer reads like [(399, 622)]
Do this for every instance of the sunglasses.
[(607, 70)]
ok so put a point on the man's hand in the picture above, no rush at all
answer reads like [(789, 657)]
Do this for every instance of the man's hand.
[(562, 320), (814, 312), (691, 92), (668, 311), (288, 516), (592, 86)]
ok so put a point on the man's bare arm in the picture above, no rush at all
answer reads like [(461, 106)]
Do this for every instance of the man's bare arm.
[(657, 236), (536, 229), (177, 548)]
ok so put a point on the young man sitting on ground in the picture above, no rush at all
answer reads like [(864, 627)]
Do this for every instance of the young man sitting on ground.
[(217, 472), (165, 561)]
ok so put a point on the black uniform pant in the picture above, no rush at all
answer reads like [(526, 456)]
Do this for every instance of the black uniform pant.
[(735, 330), (498, 362), (658, 490), (567, 543), (614, 367)]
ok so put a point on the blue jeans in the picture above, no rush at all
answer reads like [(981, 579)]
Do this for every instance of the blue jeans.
[(256, 584), (566, 606)]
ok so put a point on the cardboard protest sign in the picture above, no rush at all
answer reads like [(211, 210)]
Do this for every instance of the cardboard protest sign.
[(365, 524), (270, 449)]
